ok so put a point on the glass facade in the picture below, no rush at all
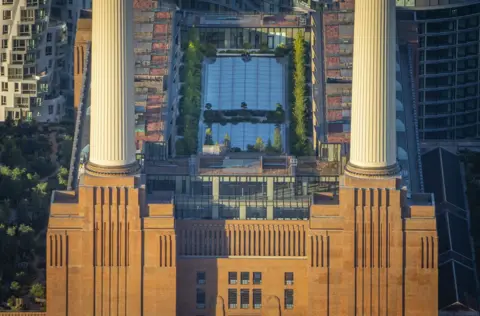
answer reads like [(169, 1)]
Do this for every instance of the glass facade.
[(448, 72)]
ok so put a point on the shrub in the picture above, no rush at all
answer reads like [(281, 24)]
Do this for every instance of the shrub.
[(37, 290)]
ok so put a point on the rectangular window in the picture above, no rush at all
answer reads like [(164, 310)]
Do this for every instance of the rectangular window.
[(245, 277), (244, 298), (48, 51), (4, 100), (201, 278), (49, 37), (5, 86), (7, 14), (289, 299), (288, 278), (232, 298), (200, 299), (232, 277), (50, 109), (5, 29), (257, 277), (4, 43), (257, 298), (16, 86)]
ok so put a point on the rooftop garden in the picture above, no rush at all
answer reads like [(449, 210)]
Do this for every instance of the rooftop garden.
[(243, 115), (190, 108), (300, 144)]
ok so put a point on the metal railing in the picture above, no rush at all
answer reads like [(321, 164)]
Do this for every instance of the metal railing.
[(76, 150)]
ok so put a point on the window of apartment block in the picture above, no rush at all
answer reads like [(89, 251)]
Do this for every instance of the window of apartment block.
[(201, 298), (201, 278), (16, 87), (288, 278), (49, 37), (232, 298), (5, 2), (50, 109), (2, 71), (288, 299), (257, 277), (24, 29), (4, 100), (5, 86), (5, 29), (244, 298), (257, 298), (4, 57), (232, 277), (7, 14), (4, 43), (48, 51), (245, 277)]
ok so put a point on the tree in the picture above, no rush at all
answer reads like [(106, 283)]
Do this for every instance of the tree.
[(299, 91), (62, 177), (37, 290), (208, 137), (226, 141), (259, 145), (277, 139)]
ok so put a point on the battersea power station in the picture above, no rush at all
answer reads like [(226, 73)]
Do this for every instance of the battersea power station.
[(241, 233)]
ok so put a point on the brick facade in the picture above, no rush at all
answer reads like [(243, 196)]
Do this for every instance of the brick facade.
[(109, 251)]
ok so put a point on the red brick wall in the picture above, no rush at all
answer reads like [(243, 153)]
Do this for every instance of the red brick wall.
[(331, 32), (332, 49)]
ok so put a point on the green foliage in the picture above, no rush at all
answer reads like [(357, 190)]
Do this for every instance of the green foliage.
[(226, 141), (37, 290), (62, 177), (25, 157), (299, 108), (247, 45), (208, 137), (190, 107), (259, 145), (277, 139)]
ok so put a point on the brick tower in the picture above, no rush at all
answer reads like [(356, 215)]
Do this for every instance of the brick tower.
[(108, 253)]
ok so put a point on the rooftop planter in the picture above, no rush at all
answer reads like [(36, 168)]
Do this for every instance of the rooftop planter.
[(244, 116)]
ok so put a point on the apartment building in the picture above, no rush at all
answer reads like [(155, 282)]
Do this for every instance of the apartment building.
[(443, 40), (69, 11), (32, 56), (267, 6)]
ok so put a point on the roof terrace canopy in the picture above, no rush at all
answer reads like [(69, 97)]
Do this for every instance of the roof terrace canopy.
[(229, 81)]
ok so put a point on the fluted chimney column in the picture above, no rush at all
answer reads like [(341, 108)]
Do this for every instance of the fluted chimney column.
[(373, 138), (112, 130)]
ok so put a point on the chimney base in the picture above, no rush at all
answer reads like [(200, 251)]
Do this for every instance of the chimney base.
[(372, 173), (109, 171)]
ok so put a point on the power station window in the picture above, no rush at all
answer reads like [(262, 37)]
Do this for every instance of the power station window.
[(201, 278), (232, 277), (257, 298), (244, 298), (232, 298), (288, 278), (289, 299), (200, 298), (257, 277), (245, 277)]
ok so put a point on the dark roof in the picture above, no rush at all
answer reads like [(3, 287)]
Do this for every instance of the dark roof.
[(442, 173), (442, 177), (457, 291)]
